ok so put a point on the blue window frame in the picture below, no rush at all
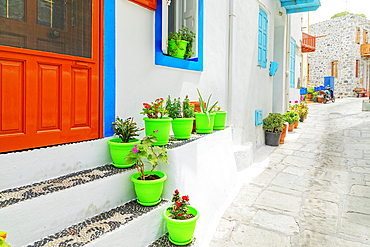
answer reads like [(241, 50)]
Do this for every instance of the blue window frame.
[(292, 62), (262, 39), (195, 64)]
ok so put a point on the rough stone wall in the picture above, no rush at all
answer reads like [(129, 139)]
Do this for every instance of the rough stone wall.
[(338, 44)]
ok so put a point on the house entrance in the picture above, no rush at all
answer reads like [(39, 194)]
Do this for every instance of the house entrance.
[(49, 72)]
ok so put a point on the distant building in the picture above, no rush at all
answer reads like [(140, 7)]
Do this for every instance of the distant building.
[(342, 52)]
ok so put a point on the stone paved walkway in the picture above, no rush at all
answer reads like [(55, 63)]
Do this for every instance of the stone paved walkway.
[(315, 188)]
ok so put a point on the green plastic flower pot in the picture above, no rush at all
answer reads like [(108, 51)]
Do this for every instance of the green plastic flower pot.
[(119, 151), (178, 51), (204, 125), (181, 231), (160, 127), (182, 127), (220, 120), (149, 192)]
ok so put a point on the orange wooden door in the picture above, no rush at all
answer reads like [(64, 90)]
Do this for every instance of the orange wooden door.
[(49, 72)]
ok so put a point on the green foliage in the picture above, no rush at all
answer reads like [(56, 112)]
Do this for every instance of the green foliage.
[(345, 13), (310, 90), (187, 108), (205, 107), (173, 108), (274, 123), (126, 130), (145, 150), (179, 207), (291, 117), (182, 34)]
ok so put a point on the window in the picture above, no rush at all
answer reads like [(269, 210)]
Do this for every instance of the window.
[(365, 37), (358, 36), (357, 65), (262, 39), (12, 9), (292, 62), (334, 69), (169, 17)]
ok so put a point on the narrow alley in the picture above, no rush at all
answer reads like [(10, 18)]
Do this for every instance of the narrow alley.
[(314, 190)]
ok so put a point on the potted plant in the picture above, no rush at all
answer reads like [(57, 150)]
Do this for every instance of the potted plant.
[(180, 220), (121, 146), (155, 122), (273, 126), (205, 119), (220, 118), (290, 117), (283, 134), (2, 239), (310, 92), (183, 117), (148, 184), (180, 44)]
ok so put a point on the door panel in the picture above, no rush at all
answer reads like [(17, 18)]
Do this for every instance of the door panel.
[(49, 90)]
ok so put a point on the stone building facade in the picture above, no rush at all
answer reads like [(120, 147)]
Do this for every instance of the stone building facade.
[(338, 53)]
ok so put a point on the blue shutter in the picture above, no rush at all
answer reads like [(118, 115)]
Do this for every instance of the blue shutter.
[(262, 39), (292, 62)]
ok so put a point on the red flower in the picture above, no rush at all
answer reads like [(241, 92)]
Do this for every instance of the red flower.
[(179, 214), (178, 203), (186, 198), (176, 191), (173, 211)]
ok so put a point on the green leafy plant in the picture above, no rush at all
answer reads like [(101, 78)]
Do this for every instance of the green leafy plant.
[(154, 110), (345, 13), (173, 108), (187, 108), (125, 130), (310, 90), (274, 123), (205, 107), (291, 117), (147, 151), (179, 208), (185, 35)]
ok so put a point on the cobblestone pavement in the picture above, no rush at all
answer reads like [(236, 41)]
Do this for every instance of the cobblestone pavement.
[(315, 188)]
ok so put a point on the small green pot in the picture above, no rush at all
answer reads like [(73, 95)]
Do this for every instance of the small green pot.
[(149, 192), (119, 151), (182, 127), (204, 125), (220, 120), (181, 231), (178, 51), (163, 125)]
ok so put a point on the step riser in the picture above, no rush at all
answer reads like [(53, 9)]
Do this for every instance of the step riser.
[(34, 219), (140, 232), (31, 166)]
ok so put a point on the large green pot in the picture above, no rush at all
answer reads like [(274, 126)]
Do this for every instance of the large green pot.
[(149, 192), (182, 127), (119, 151), (163, 125), (178, 50), (181, 231), (220, 120), (204, 125)]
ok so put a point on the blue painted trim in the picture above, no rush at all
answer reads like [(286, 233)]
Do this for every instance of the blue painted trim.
[(299, 6), (109, 66), (195, 64)]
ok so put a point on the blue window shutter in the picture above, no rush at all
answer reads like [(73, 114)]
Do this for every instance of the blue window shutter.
[(262, 39), (292, 62)]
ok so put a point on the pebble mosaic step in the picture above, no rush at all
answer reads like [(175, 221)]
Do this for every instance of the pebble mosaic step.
[(96, 227), (165, 242)]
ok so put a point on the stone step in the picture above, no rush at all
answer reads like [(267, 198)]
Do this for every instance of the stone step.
[(129, 225), (163, 241), (36, 210)]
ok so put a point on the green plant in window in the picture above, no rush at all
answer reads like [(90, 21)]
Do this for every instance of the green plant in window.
[(182, 35)]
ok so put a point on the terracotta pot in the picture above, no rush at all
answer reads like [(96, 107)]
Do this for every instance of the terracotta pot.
[(291, 127), (319, 100), (296, 125), (309, 96), (305, 116), (282, 137)]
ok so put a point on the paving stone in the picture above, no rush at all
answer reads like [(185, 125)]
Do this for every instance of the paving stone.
[(224, 229), (362, 219), (321, 224), (361, 169), (311, 147), (357, 231), (276, 158), (356, 204), (308, 136), (247, 235), (299, 171), (353, 153), (364, 162), (320, 206), (367, 177), (285, 190), (298, 161), (284, 151), (221, 243), (277, 222), (342, 177), (304, 154), (284, 180), (265, 177), (279, 202), (292, 146), (357, 146), (317, 184), (314, 239), (247, 195), (239, 213), (325, 195), (276, 167), (360, 190)]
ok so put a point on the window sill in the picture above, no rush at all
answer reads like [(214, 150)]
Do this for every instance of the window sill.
[(168, 61)]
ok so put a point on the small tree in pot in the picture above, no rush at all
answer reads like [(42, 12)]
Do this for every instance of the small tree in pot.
[(273, 126)]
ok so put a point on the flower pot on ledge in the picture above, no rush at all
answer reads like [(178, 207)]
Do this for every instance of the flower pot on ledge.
[(160, 128)]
